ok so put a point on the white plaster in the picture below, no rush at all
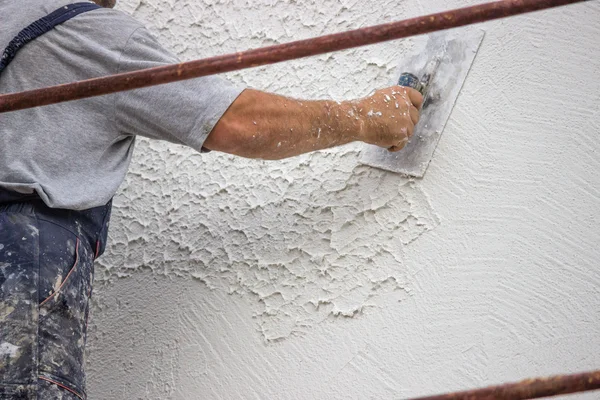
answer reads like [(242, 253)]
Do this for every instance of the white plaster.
[(320, 278), (8, 349)]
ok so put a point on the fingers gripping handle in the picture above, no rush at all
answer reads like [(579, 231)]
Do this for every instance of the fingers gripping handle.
[(421, 84), (411, 80)]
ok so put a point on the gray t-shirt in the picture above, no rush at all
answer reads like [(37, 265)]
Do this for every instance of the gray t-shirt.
[(76, 154)]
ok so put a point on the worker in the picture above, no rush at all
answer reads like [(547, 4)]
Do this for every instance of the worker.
[(60, 165)]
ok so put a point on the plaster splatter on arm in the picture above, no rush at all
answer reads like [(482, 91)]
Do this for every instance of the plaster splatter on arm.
[(268, 126)]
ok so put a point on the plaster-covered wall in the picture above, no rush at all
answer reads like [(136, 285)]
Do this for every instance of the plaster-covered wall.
[(320, 278)]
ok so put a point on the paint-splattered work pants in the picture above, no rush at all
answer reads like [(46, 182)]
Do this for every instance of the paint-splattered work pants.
[(46, 273)]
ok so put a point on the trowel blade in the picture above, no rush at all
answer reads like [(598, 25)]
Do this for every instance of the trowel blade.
[(457, 49)]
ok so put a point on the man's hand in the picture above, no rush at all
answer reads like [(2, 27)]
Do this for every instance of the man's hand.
[(268, 126), (390, 116)]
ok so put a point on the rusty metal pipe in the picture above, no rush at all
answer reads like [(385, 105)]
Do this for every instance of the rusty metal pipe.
[(273, 54), (529, 388)]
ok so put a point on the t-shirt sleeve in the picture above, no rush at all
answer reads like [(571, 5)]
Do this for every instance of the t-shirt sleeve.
[(181, 112)]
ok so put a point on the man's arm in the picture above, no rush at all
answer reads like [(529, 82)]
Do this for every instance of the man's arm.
[(267, 126)]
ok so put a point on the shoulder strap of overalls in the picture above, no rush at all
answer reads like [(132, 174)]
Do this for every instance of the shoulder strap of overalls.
[(42, 26), (96, 217)]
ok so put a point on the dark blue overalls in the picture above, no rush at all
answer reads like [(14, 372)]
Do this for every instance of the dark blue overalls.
[(46, 274)]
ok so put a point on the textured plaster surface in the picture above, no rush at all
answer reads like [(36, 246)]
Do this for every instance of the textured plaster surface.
[(320, 278)]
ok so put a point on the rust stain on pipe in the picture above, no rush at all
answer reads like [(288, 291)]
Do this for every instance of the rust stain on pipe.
[(529, 388), (273, 54)]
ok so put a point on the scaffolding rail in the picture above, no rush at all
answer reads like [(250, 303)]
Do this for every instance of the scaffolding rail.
[(273, 54), (529, 388)]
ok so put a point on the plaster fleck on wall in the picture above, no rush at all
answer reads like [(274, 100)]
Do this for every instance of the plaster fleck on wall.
[(304, 243)]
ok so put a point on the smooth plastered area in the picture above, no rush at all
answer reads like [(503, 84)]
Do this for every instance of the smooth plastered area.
[(322, 278)]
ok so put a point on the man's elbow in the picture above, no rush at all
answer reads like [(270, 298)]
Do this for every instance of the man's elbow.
[(233, 137)]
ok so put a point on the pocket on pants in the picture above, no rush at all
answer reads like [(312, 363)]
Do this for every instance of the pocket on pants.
[(58, 260), (66, 269)]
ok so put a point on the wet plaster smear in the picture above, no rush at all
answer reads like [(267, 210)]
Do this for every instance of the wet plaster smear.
[(320, 278)]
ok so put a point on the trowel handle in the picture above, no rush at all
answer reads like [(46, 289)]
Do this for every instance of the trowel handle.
[(410, 80)]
